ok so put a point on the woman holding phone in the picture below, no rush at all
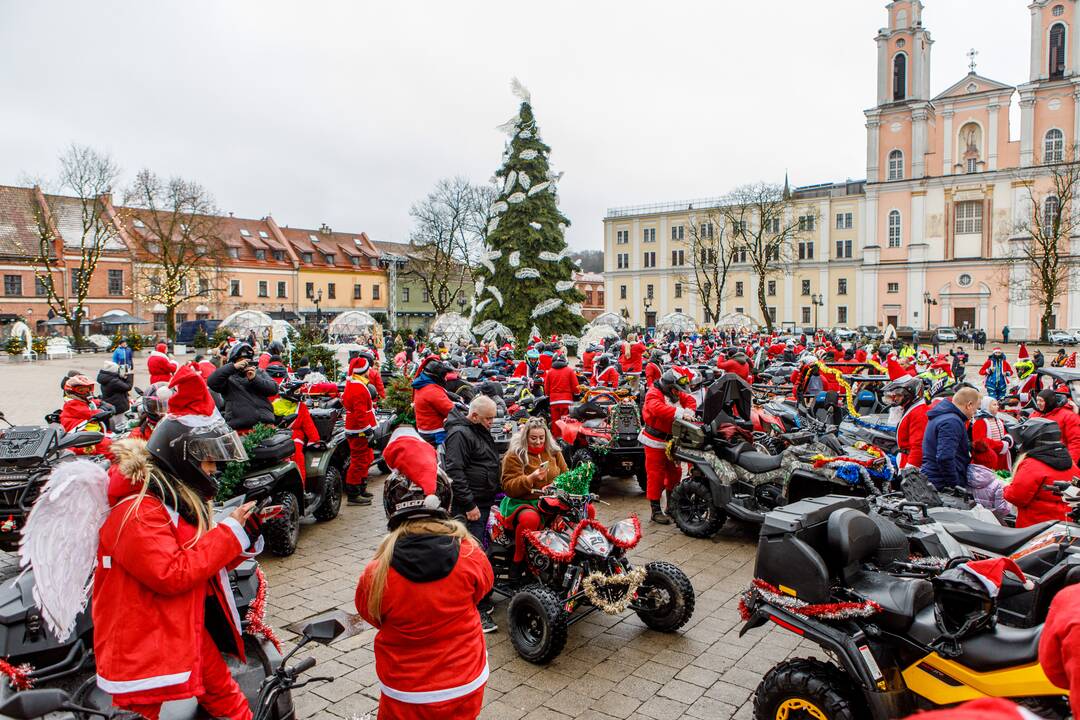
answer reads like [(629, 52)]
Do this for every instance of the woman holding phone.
[(531, 464)]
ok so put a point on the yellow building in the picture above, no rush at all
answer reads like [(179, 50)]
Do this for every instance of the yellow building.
[(337, 272)]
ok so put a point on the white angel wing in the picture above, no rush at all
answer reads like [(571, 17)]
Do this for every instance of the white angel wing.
[(538, 188), (482, 304), (564, 285), (511, 177), (527, 273), (520, 91), (515, 258), (523, 180), (510, 126), (516, 198), (488, 264), (548, 256), (60, 541), (545, 307), (529, 154), (496, 293), (537, 226)]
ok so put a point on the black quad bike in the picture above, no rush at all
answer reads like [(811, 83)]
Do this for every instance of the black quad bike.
[(896, 642), (603, 430), (575, 566)]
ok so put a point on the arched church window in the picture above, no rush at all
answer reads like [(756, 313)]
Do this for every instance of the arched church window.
[(1051, 213), (1054, 146), (1057, 50), (899, 77), (896, 165)]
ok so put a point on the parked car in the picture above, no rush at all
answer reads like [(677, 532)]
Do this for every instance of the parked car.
[(907, 333), (185, 334), (946, 334), (844, 333), (1075, 332), (1061, 337), (870, 332)]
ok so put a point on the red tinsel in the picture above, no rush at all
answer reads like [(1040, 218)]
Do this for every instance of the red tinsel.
[(533, 536), (257, 612), (18, 675), (844, 459), (822, 611)]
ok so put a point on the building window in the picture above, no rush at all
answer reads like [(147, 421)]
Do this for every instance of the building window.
[(600, 298), (805, 315), (309, 290), (1058, 11), (329, 259), (770, 288), (281, 286), (843, 221), (677, 232), (1051, 213), (738, 288), (706, 230), (650, 260), (1054, 146), (234, 253), (622, 237), (622, 292), (972, 165), (234, 288), (260, 254), (893, 288), (896, 165), (1057, 51), (772, 252), (355, 260), (623, 260), (843, 248), (204, 286), (427, 296), (331, 291), (159, 321), (264, 288), (13, 285), (180, 318), (969, 217), (739, 255), (39, 287), (805, 287), (405, 295), (841, 315), (899, 77), (895, 228), (375, 291), (116, 282), (806, 251), (76, 281), (806, 223), (357, 292), (678, 290), (771, 311), (678, 259), (307, 257), (648, 235), (841, 286), (279, 255)]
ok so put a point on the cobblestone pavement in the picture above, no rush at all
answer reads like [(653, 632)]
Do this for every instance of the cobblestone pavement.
[(612, 667)]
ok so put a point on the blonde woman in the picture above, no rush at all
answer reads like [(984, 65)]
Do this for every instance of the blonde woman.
[(421, 591)]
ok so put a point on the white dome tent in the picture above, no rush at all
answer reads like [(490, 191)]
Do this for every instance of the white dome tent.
[(676, 322), (350, 324), (609, 319), (737, 320), (596, 334), (451, 327), (242, 322)]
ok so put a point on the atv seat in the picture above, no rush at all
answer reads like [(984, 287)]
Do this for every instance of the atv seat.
[(995, 538), (1004, 647), (278, 446), (751, 460)]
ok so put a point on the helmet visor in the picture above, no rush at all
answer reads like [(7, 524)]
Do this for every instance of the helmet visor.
[(218, 443)]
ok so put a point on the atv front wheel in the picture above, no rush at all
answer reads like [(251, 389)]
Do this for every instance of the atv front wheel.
[(331, 503), (283, 532), (538, 624), (693, 510), (805, 689), (666, 596)]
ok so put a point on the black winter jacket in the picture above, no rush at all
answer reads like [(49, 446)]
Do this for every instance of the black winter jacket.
[(472, 462), (114, 390), (247, 402)]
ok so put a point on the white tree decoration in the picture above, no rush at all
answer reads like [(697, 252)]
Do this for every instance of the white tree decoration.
[(525, 134), (572, 340), (574, 308), (549, 256), (492, 225), (520, 91), (529, 154), (482, 304), (511, 178), (496, 293), (538, 188), (500, 207), (545, 307), (498, 330), (527, 273), (564, 285), (510, 126), (483, 327), (562, 228), (515, 258), (518, 197), (536, 226), (523, 180)]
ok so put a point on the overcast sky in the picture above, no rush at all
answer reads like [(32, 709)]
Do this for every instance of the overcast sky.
[(346, 112)]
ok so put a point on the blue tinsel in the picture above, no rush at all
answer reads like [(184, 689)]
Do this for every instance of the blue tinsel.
[(874, 426), (849, 473)]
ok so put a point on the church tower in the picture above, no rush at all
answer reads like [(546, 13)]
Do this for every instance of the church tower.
[(1050, 100)]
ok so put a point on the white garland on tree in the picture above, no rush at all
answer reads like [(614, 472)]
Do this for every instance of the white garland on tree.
[(511, 178), (492, 225), (523, 180), (574, 308), (496, 293), (500, 207), (529, 154), (545, 307), (527, 273), (538, 188), (518, 197), (536, 226), (515, 258), (549, 256), (564, 285)]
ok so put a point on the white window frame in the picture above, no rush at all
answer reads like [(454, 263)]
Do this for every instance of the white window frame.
[(896, 164), (969, 217), (895, 239), (1054, 148)]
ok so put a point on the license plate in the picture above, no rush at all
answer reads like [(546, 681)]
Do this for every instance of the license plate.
[(627, 464)]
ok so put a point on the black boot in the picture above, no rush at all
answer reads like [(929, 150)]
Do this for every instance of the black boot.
[(354, 497), (364, 492), (658, 515)]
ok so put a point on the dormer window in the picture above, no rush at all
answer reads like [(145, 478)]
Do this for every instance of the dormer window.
[(260, 254), (307, 258), (279, 255), (244, 232), (234, 253), (355, 261), (329, 259)]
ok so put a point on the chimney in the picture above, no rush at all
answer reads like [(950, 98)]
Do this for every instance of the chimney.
[(325, 229)]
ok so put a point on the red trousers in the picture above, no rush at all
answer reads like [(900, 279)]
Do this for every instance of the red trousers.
[(462, 708), (360, 458), (558, 412), (221, 696), (527, 519), (660, 473)]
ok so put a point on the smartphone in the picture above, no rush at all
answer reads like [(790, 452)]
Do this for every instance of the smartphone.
[(544, 465)]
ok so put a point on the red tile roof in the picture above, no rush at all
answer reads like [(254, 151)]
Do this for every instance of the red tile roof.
[(18, 228), (337, 244)]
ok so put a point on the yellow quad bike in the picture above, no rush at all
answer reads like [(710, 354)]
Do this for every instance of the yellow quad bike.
[(819, 575)]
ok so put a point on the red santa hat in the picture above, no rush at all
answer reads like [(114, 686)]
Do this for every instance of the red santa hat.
[(896, 370), (991, 573), (1022, 354), (359, 365), (189, 398), (161, 347), (1071, 362), (414, 458)]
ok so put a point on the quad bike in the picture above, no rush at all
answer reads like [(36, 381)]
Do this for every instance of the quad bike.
[(892, 646), (603, 430), (576, 566), (271, 472)]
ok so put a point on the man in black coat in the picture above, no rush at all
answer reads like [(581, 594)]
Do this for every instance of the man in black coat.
[(245, 389), (115, 385)]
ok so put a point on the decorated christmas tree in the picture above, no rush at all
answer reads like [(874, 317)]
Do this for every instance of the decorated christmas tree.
[(525, 278)]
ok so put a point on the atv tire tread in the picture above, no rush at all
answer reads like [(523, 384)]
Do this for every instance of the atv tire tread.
[(281, 539), (331, 504), (812, 680), (549, 603), (705, 529), (678, 580)]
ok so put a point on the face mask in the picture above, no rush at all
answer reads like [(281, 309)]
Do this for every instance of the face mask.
[(536, 450)]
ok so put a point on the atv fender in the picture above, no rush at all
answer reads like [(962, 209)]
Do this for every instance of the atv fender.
[(721, 493), (568, 430)]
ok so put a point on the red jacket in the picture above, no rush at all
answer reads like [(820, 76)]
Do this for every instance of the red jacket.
[(429, 638), (431, 405), (375, 378), (150, 592), (736, 368), (204, 367), (77, 411), (522, 369), (1034, 503), (587, 361), (631, 362), (658, 414), (909, 434), (1069, 422), (544, 363), (1059, 644), (560, 385), (608, 378), (359, 413), (160, 366), (987, 450)]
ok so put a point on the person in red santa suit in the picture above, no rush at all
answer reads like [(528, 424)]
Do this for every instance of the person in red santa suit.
[(431, 404), (421, 590), (587, 358), (530, 366), (375, 381), (1045, 461), (159, 365), (632, 354), (161, 578), (737, 364), (1054, 405), (359, 426), (665, 400), (560, 385), (605, 373), (908, 411), (990, 442), (1059, 644), (81, 408)]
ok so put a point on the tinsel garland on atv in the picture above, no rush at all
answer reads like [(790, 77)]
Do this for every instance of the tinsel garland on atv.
[(18, 675), (759, 589), (256, 614), (534, 538)]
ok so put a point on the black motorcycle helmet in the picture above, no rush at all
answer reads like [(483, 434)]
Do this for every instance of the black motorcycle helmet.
[(558, 362), (276, 348), (490, 388), (962, 607), (603, 361), (437, 370), (179, 449), (902, 391), (672, 382), (241, 351), (1037, 432), (155, 403)]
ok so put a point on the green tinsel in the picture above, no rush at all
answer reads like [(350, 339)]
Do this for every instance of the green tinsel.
[(577, 481), (234, 471)]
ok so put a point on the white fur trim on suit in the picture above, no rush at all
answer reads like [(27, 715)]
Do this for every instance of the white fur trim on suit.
[(434, 696)]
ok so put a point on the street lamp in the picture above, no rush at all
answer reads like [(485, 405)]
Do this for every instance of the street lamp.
[(648, 306), (929, 302), (817, 301), (318, 311)]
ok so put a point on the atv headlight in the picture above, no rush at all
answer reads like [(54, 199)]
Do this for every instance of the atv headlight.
[(258, 481)]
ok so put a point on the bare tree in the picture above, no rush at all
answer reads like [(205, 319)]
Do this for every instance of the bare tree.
[(1039, 263), (86, 176), (764, 232), (179, 247), (447, 238), (711, 255)]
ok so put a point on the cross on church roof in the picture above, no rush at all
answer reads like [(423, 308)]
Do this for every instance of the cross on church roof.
[(972, 53)]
